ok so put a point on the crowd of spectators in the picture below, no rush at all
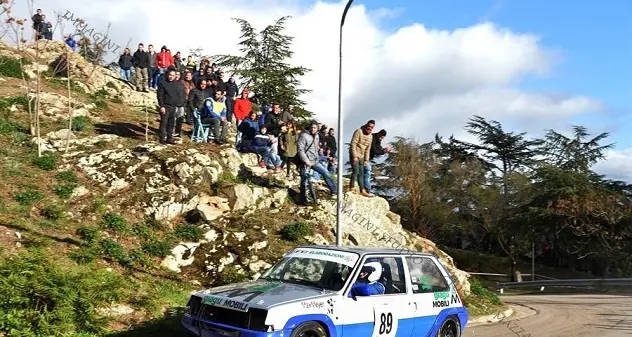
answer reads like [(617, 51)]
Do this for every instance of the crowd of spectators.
[(197, 94)]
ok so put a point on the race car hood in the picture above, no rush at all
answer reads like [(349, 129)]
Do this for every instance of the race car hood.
[(259, 294)]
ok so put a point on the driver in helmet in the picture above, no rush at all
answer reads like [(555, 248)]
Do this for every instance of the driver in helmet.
[(367, 283)]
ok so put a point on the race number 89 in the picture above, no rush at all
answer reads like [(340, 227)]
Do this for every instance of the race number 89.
[(386, 323)]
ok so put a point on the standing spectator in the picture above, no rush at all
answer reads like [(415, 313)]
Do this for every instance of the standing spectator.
[(376, 150), (332, 146), (191, 65), (125, 62), (37, 19), (231, 95), (287, 143), (220, 85), (141, 65), (307, 152), (216, 114), (164, 60), (360, 152), (170, 95), (276, 119), (71, 42), (189, 85), (322, 137), (152, 71), (242, 109), (177, 62), (180, 108)]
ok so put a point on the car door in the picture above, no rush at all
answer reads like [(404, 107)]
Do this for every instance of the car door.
[(387, 315), (430, 292)]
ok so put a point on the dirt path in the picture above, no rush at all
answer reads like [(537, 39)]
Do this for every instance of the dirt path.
[(562, 316)]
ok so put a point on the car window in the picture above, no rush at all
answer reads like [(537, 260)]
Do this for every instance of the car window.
[(425, 275), (392, 277), (305, 269), (314, 272)]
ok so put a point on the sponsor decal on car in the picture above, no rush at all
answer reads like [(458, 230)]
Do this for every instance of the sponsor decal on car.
[(345, 258), (313, 304), (444, 299), (225, 303)]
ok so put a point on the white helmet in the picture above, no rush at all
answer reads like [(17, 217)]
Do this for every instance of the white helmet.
[(375, 269)]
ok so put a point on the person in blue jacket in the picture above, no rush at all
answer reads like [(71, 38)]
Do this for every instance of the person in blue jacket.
[(367, 283)]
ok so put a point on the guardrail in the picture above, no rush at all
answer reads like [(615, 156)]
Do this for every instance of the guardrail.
[(603, 282), (507, 275)]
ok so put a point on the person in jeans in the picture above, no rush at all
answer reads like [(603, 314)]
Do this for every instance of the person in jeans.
[(287, 144), (141, 65), (152, 70), (125, 62), (262, 145), (360, 153), (376, 150), (215, 114), (307, 152), (170, 95)]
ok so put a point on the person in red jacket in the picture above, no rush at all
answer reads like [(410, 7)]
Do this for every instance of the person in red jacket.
[(242, 109), (164, 60)]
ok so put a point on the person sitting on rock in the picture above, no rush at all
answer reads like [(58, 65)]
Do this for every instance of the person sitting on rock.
[(262, 144), (249, 129)]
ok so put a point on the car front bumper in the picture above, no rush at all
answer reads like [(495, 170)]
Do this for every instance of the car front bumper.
[(201, 328)]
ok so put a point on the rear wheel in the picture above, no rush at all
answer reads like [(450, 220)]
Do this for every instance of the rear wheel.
[(450, 328), (309, 329)]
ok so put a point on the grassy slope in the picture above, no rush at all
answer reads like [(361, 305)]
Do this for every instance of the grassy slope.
[(94, 253)]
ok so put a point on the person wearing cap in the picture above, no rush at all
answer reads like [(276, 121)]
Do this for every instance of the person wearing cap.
[(367, 283), (376, 151), (306, 159)]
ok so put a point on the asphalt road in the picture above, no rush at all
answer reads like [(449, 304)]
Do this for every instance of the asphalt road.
[(562, 316)]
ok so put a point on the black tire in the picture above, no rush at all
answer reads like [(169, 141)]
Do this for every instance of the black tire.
[(309, 329), (449, 328)]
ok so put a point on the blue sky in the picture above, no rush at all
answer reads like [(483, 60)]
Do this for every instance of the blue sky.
[(595, 39)]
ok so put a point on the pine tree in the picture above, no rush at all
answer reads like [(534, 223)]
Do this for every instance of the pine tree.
[(264, 68)]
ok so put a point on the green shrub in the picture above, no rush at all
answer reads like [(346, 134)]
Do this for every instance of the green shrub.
[(7, 126), (88, 234), (10, 67), (188, 233), (295, 231), (230, 275), (84, 255), (157, 248), (64, 191), (139, 258), (67, 176), (114, 251), (53, 212), (28, 197), (41, 298), (478, 289), (46, 162), (80, 123), (115, 222)]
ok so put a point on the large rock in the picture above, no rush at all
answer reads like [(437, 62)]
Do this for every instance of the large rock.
[(368, 222)]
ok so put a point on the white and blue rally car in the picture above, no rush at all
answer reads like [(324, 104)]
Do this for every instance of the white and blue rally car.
[(330, 291)]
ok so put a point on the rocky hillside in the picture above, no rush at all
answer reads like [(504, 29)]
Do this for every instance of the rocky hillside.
[(195, 214)]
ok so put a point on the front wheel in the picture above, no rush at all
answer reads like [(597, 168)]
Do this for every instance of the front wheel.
[(449, 328), (309, 329)]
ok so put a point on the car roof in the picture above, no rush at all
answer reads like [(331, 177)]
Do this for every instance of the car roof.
[(367, 250)]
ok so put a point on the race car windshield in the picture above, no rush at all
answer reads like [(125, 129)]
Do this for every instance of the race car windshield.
[(310, 272)]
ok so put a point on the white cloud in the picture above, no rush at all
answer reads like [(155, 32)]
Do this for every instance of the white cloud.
[(618, 165), (413, 81)]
